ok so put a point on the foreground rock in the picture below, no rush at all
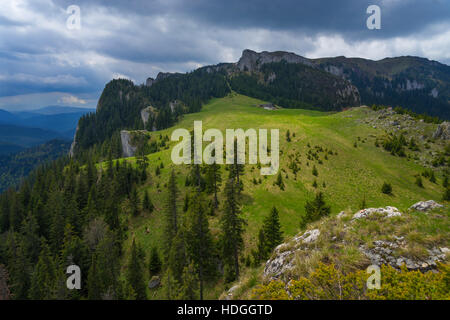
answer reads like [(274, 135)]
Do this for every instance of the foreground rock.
[(284, 253), (379, 241), (426, 205), (383, 252), (442, 131), (154, 282), (388, 212)]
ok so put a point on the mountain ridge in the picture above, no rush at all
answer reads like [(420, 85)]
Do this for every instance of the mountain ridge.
[(282, 78)]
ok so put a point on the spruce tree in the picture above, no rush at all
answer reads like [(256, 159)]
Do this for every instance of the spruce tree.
[(236, 169), (108, 266), (186, 203), (20, 267), (279, 181), (432, 177), (178, 254), (446, 196), (272, 230), (147, 204), (44, 277), (419, 182), (134, 203), (30, 238), (189, 285), (93, 281), (232, 228), (386, 188), (213, 181), (314, 171), (316, 209), (261, 252), (173, 242), (135, 272), (200, 245), (171, 214), (154, 263)]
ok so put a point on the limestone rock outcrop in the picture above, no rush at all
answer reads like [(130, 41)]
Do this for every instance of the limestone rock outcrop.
[(128, 150), (426, 205)]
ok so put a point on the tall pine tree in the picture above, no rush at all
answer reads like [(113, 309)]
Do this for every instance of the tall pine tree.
[(199, 240), (232, 228)]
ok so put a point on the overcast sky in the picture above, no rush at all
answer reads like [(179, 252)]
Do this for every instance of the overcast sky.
[(42, 62)]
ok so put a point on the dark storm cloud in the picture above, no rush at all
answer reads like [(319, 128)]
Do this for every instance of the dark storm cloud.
[(400, 17), (137, 39)]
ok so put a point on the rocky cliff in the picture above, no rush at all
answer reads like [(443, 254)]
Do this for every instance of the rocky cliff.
[(128, 149), (253, 61)]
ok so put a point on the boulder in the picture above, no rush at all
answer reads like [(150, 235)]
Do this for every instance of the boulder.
[(383, 252), (283, 259), (426, 205), (309, 236), (281, 263), (341, 214), (154, 282), (442, 131), (388, 212)]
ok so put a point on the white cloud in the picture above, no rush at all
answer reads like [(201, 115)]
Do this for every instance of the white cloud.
[(70, 99)]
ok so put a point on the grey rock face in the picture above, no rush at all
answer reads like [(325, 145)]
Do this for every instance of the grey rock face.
[(383, 253), (231, 291), (252, 61), (72, 146), (337, 71), (145, 114), (127, 149), (443, 131), (154, 282), (394, 251), (388, 212), (149, 82), (426, 205), (283, 259), (309, 236)]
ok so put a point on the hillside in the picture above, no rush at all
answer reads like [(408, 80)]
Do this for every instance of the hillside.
[(143, 226), (347, 175), (282, 78)]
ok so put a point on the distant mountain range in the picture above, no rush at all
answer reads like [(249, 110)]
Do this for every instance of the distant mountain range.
[(17, 165), (24, 129)]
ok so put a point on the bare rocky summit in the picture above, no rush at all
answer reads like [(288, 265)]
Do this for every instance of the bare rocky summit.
[(253, 61), (391, 247)]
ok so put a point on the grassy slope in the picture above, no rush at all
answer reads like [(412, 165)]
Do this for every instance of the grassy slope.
[(350, 175)]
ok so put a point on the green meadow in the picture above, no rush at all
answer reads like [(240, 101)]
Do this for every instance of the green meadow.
[(347, 175)]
